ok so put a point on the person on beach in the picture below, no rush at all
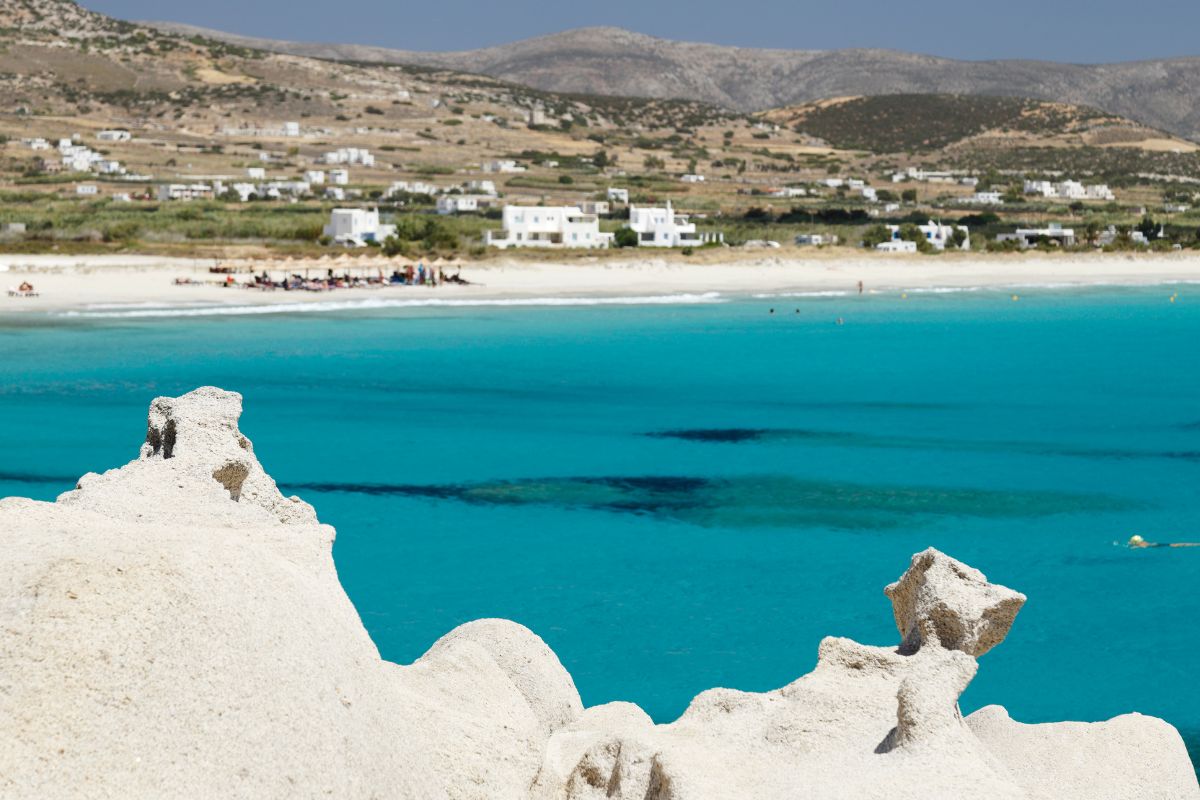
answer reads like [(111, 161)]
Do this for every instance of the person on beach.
[(860, 287), (1138, 542), (25, 286)]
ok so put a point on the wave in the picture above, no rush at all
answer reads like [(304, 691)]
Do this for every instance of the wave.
[(317, 307), (827, 293)]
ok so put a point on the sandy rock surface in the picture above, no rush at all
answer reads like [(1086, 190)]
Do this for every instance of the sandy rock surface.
[(176, 628)]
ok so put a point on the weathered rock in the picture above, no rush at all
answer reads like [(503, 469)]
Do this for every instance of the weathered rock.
[(175, 628), (945, 603)]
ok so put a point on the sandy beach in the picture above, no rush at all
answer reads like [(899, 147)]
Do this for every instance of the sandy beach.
[(95, 284)]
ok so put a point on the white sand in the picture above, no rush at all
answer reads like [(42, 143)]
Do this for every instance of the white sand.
[(80, 283)]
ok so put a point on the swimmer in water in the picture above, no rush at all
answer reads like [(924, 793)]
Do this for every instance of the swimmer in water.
[(1138, 542)]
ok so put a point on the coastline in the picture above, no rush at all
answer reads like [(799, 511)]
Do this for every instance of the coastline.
[(119, 285)]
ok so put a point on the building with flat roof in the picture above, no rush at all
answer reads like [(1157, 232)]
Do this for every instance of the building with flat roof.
[(549, 227)]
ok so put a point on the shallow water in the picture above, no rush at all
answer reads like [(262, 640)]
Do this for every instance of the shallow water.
[(681, 496)]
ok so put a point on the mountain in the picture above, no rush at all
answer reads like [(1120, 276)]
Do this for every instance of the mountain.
[(612, 61)]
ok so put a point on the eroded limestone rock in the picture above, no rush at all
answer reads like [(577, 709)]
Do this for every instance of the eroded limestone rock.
[(945, 603)]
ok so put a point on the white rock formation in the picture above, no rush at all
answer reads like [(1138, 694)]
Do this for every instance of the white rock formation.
[(176, 629)]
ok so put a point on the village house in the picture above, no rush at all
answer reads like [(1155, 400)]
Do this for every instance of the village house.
[(897, 246), (350, 156), (185, 191), (692, 178), (983, 199), (502, 165), (339, 177), (618, 195), (463, 203), (335, 193), (481, 187), (355, 227), (555, 227), (816, 240), (114, 136), (662, 227), (937, 235), (256, 173), (291, 129), (314, 176), (1030, 237), (87, 190), (788, 191), (600, 208)]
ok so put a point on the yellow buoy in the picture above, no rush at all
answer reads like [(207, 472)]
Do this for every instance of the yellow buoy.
[(904, 296), (1016, 298)]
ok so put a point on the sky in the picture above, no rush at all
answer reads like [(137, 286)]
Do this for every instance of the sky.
[(1077, 31)]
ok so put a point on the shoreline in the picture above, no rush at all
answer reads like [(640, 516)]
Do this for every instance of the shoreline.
[(124, 285)]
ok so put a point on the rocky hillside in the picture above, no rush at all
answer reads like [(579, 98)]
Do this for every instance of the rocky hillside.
[(925, 123), (618, 62)]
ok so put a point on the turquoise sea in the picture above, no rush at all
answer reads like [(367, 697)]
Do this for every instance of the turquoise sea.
[(678, 496)]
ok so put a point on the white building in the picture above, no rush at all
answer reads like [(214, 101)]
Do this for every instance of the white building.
[(788, 191), (291, 129), (87, 190), (1069, 190), (108, 168), (185, 191), (869, 194), (600, 208), (463, 203), (339, 177), (37, 144), (481, 187), (315, 176), (256, 173), (662, 227), (816, 240), (537, 226), (618, 195), (355, 227), (897, 246), (1030, 237), (983, 199), (114, 136), (414, 187), (335, 193), (692, 178), (350, 155), (1111, 235), (1099, 191), (938, 235), (502, 166)]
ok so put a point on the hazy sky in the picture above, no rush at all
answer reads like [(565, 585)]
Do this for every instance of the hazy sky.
[(1060, 30)]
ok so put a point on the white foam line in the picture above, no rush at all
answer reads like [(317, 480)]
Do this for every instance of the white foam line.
[(371, 304), (772, 296)]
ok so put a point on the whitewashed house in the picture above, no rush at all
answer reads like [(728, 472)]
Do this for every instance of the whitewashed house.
[(897, 246), (618, 195), (816, 240), (335, 193), (114, 136), (1030, 237), (481, 187), (339, 177), (938, 235), (463, 203), (983, 199), (350, 156), (788, 191), (502, 165), (37, 144), (662, 227), (256, 173), (553, 227), (314, 176), (355, 227), (414, 187), (1099, 191), (692, 178), (87, 190), (108, 167), (185, 191), (600, 208), (291, 129)]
